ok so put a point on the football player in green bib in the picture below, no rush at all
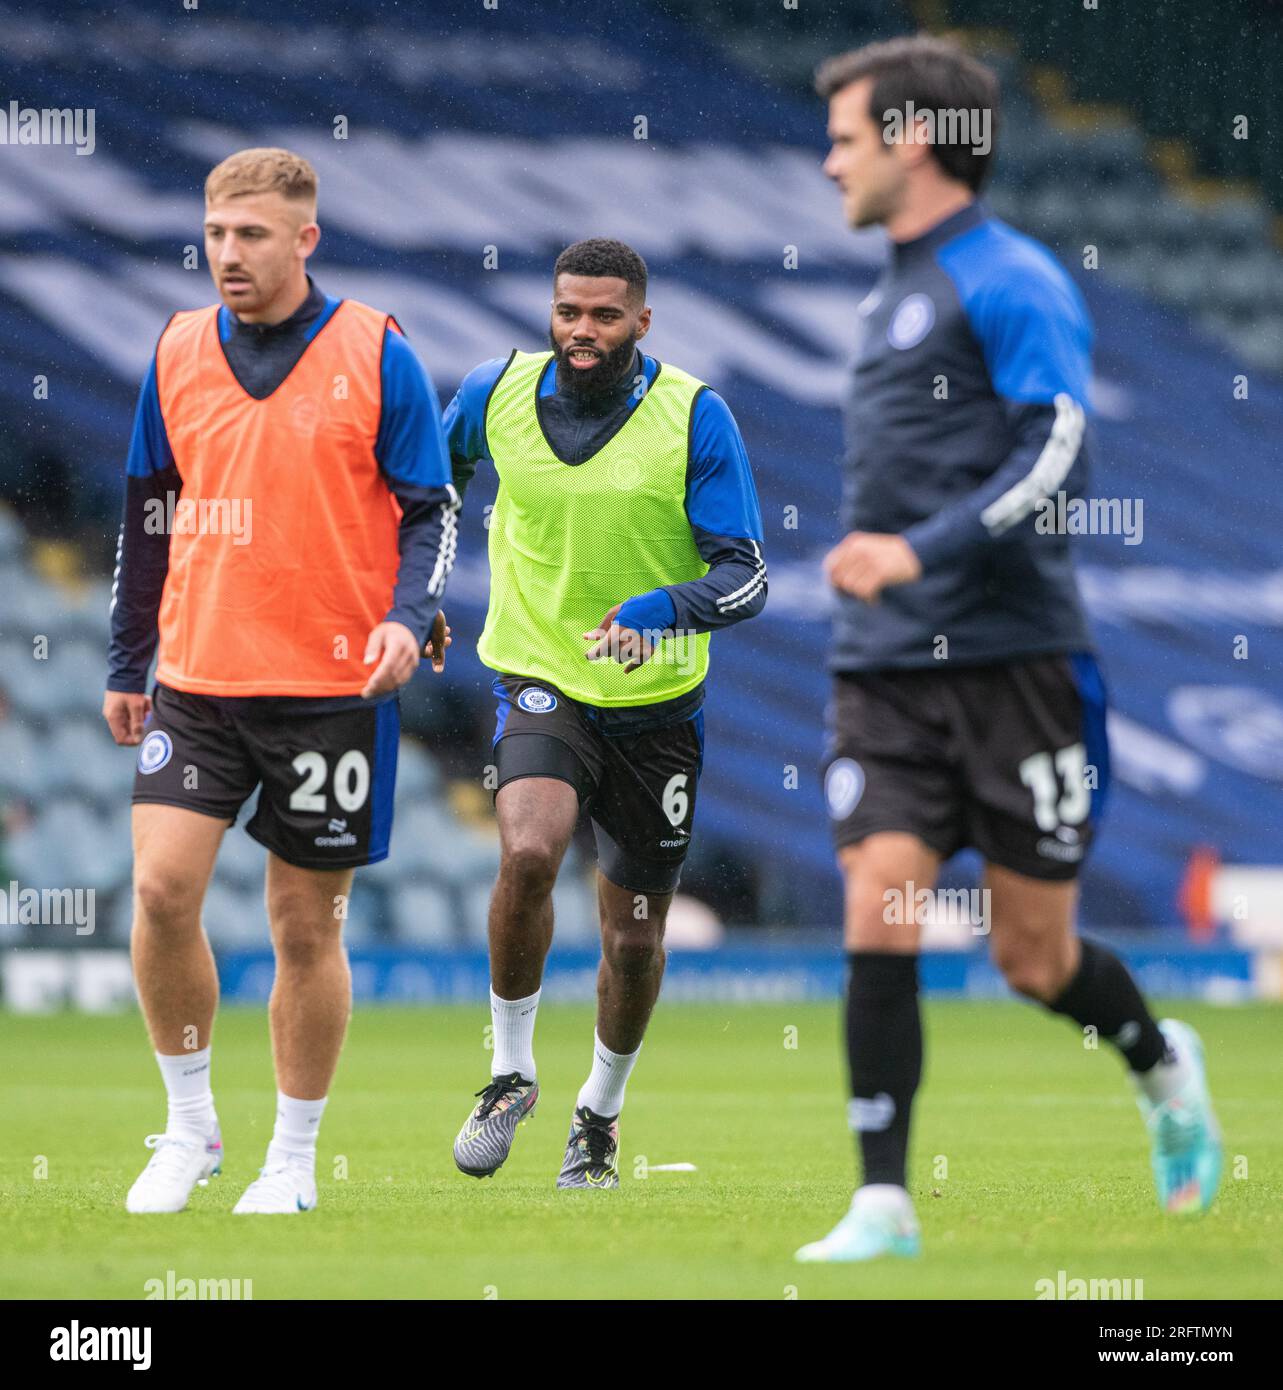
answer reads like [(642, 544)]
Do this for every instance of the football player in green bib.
[(626, 529)]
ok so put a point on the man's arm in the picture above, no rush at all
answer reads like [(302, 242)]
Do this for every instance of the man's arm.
[(465, 421), (1048, 457), (1036, 339), (721, 505), (411, 451), (1033, 329), (142, 547)]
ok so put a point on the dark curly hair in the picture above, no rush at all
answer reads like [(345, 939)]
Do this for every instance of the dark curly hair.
[(599, 256)]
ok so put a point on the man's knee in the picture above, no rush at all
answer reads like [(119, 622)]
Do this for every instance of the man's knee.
[(306, 924), (1032, 964), (882, 876), (303, 947), (869, 926), (880, 906), (633, 948), (530, 862), (167, 897), (1032, 938)]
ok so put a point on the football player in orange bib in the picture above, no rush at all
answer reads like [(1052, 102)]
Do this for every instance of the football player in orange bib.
[(288, 528)]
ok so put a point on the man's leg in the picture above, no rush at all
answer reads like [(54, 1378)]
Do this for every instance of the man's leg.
[(308, 1012), (1034, 944), (643, 817), (881, 875), (537, 817), (174, 853), (628, 981), (632, 962), (312, 994)]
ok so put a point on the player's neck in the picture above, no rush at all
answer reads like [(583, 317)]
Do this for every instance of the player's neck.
[(287, 302), (928, 209)]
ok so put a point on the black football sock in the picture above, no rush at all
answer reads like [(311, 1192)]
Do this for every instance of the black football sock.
[(1104, 996), (884, 1053)]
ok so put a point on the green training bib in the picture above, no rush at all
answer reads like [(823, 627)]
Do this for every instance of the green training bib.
[(567, 542)]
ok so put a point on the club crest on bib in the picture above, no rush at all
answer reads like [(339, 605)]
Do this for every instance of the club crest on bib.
[(155, 751), (843, 787), (536, 701), (911, 321)]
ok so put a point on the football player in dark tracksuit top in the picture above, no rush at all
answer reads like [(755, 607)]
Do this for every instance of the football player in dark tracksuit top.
[(967, 708)]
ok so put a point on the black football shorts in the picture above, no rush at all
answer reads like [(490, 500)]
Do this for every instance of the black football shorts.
[(1011, 760), (638, 788), (327, 778)]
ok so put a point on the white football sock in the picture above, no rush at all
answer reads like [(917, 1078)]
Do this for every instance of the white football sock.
[(514, 1034), (883, 1192), (603, 1092), (1162, 1081), (297, 1124), (191, 1102)]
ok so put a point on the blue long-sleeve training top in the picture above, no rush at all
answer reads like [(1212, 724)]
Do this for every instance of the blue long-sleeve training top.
[(968, 408)]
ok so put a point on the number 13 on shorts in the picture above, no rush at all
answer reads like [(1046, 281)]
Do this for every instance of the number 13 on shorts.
[(1061, 784)]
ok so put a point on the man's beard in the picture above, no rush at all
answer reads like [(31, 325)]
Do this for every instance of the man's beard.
[(592, 383)]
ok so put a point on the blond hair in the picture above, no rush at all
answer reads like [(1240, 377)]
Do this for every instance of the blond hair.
[(265, 170)]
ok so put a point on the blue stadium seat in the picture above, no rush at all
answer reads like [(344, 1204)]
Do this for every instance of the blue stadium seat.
[(423, 914), (24, 759), (417, 776), (83, 757)]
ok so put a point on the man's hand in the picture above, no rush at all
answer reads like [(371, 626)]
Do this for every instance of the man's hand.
[(396, 649), (612, 642), (126, 714), (438, 640), (866, 562)]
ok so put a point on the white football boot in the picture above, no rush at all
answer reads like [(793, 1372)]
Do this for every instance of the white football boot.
[(280, 1188), (881, 1221), (1186, 1140), (178, 1164)]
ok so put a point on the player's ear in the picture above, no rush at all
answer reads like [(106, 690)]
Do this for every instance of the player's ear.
[(309, 234), (643, 322), (915, 151)]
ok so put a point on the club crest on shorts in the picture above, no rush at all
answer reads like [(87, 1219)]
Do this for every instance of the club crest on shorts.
[(911, 321), (536, 701), (155, 751), (843, 787)]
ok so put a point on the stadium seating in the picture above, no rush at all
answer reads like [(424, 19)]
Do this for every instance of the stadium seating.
[(1187, 304)]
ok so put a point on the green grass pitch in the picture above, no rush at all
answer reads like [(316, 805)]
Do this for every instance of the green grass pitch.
[(1029, 1157)]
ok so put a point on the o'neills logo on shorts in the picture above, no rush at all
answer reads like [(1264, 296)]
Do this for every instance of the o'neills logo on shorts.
[(335, 841), (1069, 853)]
